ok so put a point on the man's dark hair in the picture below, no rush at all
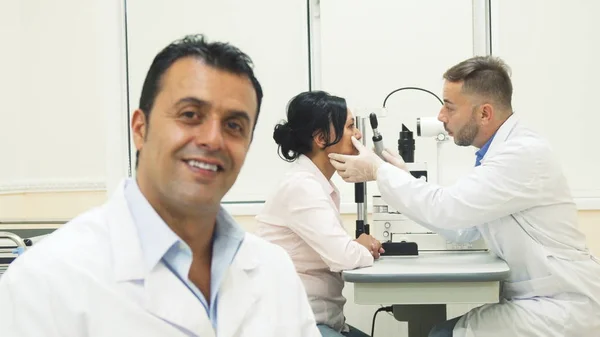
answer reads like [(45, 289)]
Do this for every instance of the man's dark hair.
[(485, 76), (220, 55)]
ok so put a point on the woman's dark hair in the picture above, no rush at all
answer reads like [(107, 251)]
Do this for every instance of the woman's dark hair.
[(309, 114)]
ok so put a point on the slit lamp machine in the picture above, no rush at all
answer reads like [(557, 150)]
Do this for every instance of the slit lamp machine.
[(398, 234)]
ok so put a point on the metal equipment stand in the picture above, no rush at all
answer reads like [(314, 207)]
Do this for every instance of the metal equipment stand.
[(360, 192)]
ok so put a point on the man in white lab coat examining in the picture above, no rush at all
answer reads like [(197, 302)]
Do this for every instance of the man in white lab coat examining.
[(516, 198), (161, 257)]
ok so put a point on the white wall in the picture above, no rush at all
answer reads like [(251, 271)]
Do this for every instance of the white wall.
[(399, 44), (277, 44), (75, 139), (552, 47), (63, 121), (60, 77)]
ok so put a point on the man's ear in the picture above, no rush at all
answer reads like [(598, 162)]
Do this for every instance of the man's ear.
[(139, 127), (487, 112), (319, 139)]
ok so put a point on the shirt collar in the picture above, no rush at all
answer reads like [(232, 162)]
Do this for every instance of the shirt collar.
[(498, 137), (157, 238), (305, 164), (481, 152)]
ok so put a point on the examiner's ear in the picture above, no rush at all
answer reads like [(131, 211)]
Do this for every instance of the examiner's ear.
[(486, 113)]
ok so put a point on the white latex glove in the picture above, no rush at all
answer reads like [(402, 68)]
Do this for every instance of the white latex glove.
[(394, 159), (359, 168)]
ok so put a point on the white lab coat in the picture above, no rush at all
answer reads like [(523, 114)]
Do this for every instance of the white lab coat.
[(87, 279), (518, 200)]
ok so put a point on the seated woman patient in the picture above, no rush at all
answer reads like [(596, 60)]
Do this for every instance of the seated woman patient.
[(302, 215)]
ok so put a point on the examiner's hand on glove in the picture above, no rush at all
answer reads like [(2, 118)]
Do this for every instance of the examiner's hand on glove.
[(358, 168), (394, 159)]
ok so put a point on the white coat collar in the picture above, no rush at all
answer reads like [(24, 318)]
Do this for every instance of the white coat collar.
[(165, 296), (125, 242), (502, 135), (240, 290)]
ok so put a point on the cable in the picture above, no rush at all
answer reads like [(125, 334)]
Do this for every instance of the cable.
[(489, 15), (308, 13), (412, 88), (129, 173), (388, 309)]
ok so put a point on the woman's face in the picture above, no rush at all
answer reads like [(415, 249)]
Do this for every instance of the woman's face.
[(345, 146)]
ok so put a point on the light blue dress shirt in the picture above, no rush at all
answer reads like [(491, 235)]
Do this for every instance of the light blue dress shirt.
[(481, 152), (160, 243)]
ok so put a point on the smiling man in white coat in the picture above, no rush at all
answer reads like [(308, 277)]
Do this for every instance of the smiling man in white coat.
[(516, 198), (161, 257)]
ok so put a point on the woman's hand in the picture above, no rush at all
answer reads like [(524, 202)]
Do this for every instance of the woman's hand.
[(372, 244)]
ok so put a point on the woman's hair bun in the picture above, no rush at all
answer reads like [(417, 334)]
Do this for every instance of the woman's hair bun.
[(282, 133), (283, 136)]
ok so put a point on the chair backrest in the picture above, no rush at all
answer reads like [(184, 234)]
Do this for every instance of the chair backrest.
[(11, 245)]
